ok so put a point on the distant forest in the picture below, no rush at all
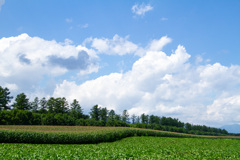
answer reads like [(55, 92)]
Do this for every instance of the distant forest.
[(57, 111)]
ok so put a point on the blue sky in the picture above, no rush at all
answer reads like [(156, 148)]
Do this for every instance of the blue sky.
[(170, 58)]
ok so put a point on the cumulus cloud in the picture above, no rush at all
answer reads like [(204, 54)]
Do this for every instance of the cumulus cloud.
[(122, 46), (11, 87), (141, 9), (137, 88), (25, 61), (71, 63), (224, 110), (158, 44), (1, 3), (115, 46), (165, 85)]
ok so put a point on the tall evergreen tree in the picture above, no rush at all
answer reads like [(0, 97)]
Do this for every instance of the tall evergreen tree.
[(154, 119), (43, 105), (21, 102), (95, 112), (133, 117), (111, 114), (35, 104), (144, 118), (104, 114), (138, 119), (51, 104), (61, 105), (76, 110), (57, 105), (4, 98), (125, 116)]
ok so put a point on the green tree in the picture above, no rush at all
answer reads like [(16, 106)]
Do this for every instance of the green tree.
[(117, 117), (144, 118), (125, 116), (48, 119), (35, 104), (154, 119), (111, 114), (76, 110), (21, 102), (43, 105), (50, 104), (57, 105), (4, 98), (138, 119), (104, 114), (188, 126), (61, 105), (95, 113), (133, 117)]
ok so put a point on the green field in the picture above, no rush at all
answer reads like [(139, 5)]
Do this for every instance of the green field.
[(61, 129), (75, 134), (128, 148), (76, 142)]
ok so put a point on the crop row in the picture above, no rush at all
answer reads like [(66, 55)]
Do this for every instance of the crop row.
[(128, 148), (7, 136)]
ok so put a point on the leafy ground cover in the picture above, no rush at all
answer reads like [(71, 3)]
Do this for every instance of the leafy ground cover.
[(128, 148)]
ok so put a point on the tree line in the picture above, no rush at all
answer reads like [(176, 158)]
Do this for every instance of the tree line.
[(57, 111)]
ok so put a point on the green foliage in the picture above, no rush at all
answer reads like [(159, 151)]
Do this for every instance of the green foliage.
[(76, 110), (95, 112), (111, 114), (144, 118), (4, 98), (125, 116), (21, 102), (57, 105), (43, 105), (103, 115), (133, 118), (35, 104), (129, 148)]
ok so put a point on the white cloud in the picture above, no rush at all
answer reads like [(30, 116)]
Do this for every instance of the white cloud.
[(157, 45), (115, 46), (26, 61), (122, 46), (11, 87), (135, 88), (166, 86), (1, 3), (224, 110), (141, 9)]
